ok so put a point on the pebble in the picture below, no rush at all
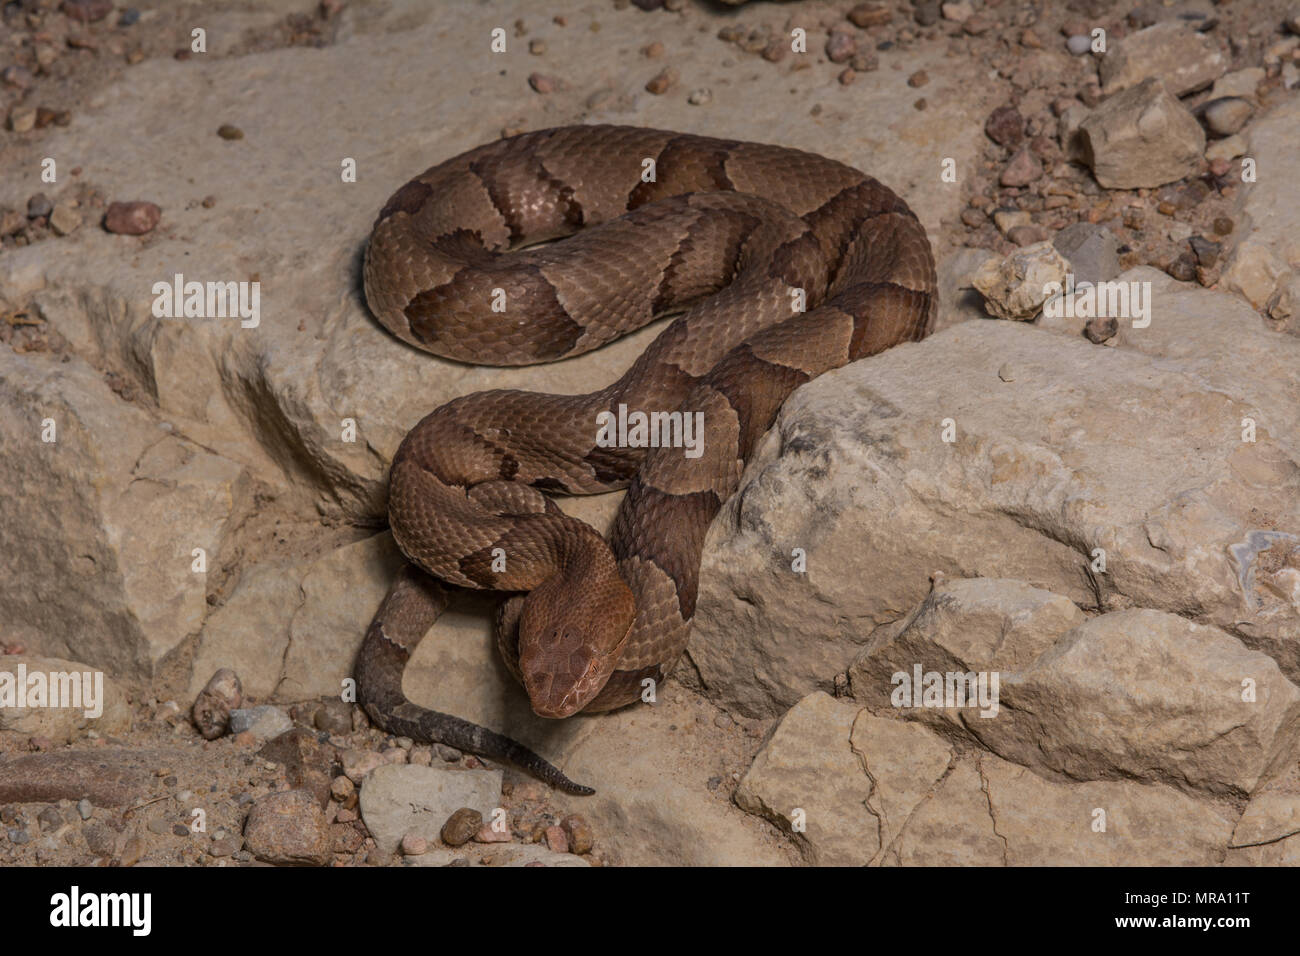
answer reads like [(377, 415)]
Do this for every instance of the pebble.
[(1223, 226), (723, 721), (973, 218), (1079, 44), (1022, 170), (17, 76), (22, 119), (870, 15), (537, 47), (1206, 251), (847, 76), (661, 82), (580, 836), (64, 220), (1100, 328), (557, 841), (50, 818), (1226, 149), (84, 809), (1183, 268), (654, 50), (841, 47), (918, 79), (39, 205), (341, 788), (414, 845), (1031, 40), (226, 131), (926, 12), (334, 715), (1226, 115), (288, 827), (158, 826), (263, 722), (225, 846), (461, 826), (129, 18), (86, 11), (958, 11), (1005, 126), (700, 97), (488, 835), (1026, 235), (11, 220)]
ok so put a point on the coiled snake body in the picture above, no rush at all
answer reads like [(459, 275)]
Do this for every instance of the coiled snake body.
[(734, 236)]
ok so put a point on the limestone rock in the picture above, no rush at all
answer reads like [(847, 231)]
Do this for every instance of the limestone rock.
[(1141, 137), (1268, 254), (856, 472), (288, 827), (1171, 51), (841, 781), (398, 799), (1016, 287), (80, 690)]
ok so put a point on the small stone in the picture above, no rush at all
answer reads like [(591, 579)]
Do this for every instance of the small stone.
[(870, 15), (700, 97), (1183, 268), (1221, 152), (1223, 226), (1079, 44), (840, 47), (129, 17), (226, 846), (918, 79), (1026, 235), (22, 119), (487, 834), (64, 220), (159, 826), (1005, 126), (1031, 40), (723, 721), (973, 218), (50, 818), (537, 47), (654, 50), (1226, 115), (1101, 328), (661, 82), (86, 11), (180, 830), (556, 840), (847, 76), (334, 716), (84, 809), (39, 205), (263, 722), (976, 25), (226, 131), (135, 219), (461, 826), (288, 827), (17, 76), (1206, 250), (341, 788), (414, 845), (1022, 170), (580, 835), (958, 11)]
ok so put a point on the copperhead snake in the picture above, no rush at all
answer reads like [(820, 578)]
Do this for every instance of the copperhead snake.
[(722, 232)]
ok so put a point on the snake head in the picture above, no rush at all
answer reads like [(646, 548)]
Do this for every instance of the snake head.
[(571, 636)]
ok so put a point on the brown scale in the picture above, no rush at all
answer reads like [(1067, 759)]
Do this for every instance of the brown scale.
[(722, 235)]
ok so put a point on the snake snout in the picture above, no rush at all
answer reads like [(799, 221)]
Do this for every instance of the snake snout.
[(562, 673)]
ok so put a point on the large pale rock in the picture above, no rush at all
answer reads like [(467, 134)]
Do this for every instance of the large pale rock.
[(841, 781), (980, 624), (988, 812), (293, 629), (101, 524), (64, 723), (1268, 256), (1044, 471), (398, 799), (1172, 51), (1149, 696), (1141, 137)]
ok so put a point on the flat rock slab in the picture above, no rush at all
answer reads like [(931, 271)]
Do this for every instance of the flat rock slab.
[(106, 777), (405, 798)]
